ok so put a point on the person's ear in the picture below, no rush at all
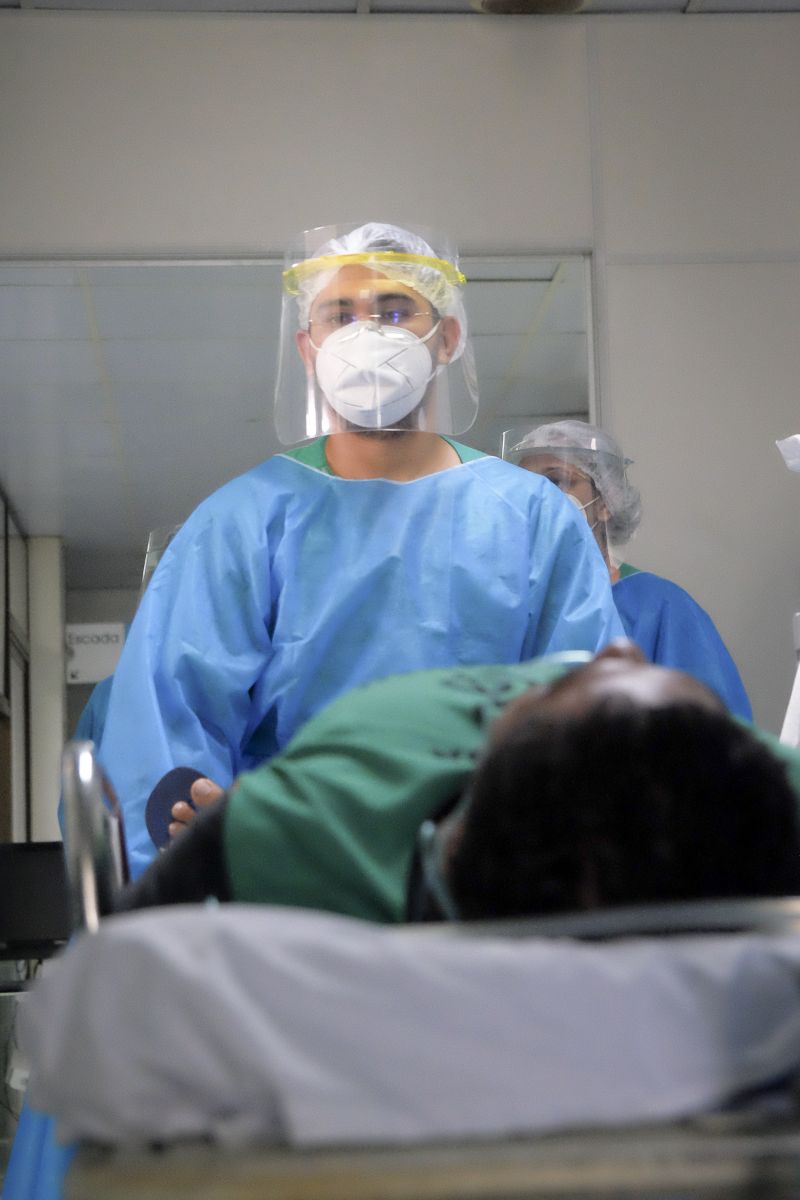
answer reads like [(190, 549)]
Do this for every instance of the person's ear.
[(449, 337), (302, 340), (603, 512), (455, 836)]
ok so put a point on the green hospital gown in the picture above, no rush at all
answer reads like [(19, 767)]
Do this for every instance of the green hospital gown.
[(331, 822)]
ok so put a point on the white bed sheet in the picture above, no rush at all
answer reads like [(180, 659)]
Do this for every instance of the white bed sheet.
[(248, 1023)]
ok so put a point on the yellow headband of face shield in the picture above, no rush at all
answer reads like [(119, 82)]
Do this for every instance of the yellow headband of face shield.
[(293, 276)]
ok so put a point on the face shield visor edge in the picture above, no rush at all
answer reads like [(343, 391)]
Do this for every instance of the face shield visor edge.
[(373, 340)]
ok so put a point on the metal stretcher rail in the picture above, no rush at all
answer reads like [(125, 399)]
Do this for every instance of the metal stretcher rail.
[(703, 1161)]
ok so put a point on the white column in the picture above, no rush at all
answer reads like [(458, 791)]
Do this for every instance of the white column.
[(47, 686)]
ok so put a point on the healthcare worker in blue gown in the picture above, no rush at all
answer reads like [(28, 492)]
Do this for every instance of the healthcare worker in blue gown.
[(671, 628), (379, 546)]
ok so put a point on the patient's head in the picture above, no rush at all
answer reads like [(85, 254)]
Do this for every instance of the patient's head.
[(618, 784)]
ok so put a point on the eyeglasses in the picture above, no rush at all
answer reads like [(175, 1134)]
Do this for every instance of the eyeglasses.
[(390, 314), (565, 477)]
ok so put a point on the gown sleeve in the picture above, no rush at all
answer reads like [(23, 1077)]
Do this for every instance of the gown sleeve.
[(197, 645)]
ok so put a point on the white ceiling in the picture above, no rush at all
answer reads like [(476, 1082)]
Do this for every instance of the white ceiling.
[(129, 391), (378, 7)]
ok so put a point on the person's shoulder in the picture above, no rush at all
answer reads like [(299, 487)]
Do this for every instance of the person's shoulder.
[(285, 465), (512, 481), (654, 586), (274, 476), (241, 506), (666, 603), (788, 755)]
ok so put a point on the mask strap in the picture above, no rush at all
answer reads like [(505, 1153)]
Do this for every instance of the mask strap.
[(582, 507), (430, 334)]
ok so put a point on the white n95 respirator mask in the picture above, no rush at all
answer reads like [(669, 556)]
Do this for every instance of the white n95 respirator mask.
[(374, 375)]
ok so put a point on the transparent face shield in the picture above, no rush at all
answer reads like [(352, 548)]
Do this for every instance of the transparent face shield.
[(568, 470), (373, 336), (157, 542), (572, 471)]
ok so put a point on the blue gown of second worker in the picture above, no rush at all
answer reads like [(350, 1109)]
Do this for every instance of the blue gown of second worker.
[(671, 629), (290, 585)]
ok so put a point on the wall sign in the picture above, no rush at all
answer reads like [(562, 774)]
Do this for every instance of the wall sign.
[(93, 651)]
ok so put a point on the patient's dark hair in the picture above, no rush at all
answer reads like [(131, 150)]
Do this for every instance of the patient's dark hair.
[(622, 806)]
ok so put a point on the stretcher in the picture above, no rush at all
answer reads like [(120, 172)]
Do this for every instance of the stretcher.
[(706, 1161), (651, 1052), (310, 1057)]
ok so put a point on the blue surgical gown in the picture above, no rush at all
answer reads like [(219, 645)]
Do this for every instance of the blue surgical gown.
[(91, 722), (290, 585), (38, 1160), (674, 631)]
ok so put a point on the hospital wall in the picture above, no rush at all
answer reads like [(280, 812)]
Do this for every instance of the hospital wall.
[(667, 146)]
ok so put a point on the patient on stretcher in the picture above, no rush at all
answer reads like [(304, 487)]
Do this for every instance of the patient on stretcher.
[(563, 788), (568, 787)]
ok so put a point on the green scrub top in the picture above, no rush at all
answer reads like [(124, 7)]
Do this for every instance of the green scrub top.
[(312, 454)]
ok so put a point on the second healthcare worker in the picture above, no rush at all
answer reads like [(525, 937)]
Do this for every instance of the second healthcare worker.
[(670, 627), (380, 546)]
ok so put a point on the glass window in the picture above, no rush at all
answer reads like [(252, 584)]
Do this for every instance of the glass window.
[(530, 322), (196, 344)]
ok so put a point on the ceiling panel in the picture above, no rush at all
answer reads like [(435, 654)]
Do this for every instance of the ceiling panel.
[(201, 369), (41, 312), (41, 378), (505, 307), (377, 8), (182, 312)]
